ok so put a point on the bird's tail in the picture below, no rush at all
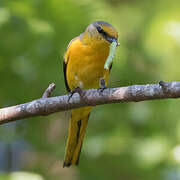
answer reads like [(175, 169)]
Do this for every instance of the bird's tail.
[(77, 128)]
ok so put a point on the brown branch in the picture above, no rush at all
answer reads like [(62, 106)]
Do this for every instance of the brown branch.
[(49, 90), (92, 97)]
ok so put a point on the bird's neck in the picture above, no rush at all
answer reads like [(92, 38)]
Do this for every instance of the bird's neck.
[(94, 42)]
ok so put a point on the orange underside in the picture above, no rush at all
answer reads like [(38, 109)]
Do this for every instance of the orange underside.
[(86, 64)]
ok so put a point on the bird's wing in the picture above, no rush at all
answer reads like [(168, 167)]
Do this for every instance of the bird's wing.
[(65, 63)]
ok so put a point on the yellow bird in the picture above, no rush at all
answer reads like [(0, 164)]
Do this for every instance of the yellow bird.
[(84, 67)]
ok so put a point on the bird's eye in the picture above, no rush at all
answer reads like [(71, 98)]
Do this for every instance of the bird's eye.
[(100, 30)]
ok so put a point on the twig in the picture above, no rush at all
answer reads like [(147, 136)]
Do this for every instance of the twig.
[(49, 90), (92, 97)]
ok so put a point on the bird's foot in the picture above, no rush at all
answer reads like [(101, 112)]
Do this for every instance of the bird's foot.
[(162, 84), (78, 90), (102, 86)]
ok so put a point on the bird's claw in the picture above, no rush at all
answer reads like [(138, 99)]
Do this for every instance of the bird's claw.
[(102, 86), (76, 90), (100, 90)]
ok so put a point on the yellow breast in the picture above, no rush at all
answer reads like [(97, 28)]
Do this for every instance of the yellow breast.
[(86, 64)]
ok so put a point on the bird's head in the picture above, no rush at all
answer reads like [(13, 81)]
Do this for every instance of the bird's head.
[(101, 32)]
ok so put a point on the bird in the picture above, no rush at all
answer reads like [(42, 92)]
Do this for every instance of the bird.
[(83, 67)]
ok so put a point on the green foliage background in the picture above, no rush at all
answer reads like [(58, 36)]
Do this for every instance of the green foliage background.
[(129, 141)]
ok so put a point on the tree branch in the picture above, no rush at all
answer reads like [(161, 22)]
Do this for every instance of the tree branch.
[(49, 90), (92, 97)]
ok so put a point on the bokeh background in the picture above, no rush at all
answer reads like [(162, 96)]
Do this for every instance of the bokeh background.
[(128, 141)]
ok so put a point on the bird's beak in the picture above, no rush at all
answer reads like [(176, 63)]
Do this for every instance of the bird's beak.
[(118, 43), (110, 39)]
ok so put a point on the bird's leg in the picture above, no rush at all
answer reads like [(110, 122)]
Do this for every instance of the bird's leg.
[(102, 86), (78, 90)]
